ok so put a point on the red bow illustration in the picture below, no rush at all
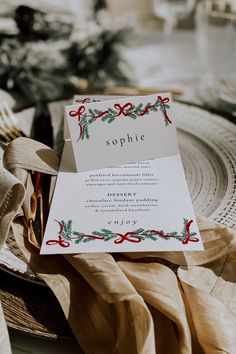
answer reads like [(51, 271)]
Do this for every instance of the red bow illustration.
[(123, 109)]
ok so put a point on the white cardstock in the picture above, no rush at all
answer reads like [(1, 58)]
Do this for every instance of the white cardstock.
[(120, 131), (136, 207)]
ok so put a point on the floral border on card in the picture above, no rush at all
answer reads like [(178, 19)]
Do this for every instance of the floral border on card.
[(87, 117), (66, 235)]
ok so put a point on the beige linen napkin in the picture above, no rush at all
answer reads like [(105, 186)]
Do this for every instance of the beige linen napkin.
[(12, 195), (176, 302)]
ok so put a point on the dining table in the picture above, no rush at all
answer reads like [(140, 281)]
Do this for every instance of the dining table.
[(156, 64)]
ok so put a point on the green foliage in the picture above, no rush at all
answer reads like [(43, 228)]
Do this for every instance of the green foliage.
[(105, 231), (139, 231), (88, 239), (76, 233), (67, 230), (97, 58), (107, 235), (43, 68), (184, 231), (133, 112), (97, 233), (33, 70), (78, 240)]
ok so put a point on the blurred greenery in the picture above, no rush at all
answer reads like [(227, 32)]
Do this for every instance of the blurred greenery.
[(43, 59)]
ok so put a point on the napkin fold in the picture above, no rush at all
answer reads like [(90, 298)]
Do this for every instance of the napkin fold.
[(12, 194), (144, 303)]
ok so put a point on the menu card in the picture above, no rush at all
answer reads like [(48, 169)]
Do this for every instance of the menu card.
[(142, 205)]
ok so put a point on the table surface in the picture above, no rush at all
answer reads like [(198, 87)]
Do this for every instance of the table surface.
[(155, 63)]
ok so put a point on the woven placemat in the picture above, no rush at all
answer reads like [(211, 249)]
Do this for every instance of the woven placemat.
[(208, 150), (32, 309)]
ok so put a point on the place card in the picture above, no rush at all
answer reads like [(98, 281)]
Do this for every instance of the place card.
[(120, 131), (139, 206), (82, 100)]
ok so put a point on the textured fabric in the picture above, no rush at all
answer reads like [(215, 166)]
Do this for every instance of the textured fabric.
[(11, 197), (145, 303)]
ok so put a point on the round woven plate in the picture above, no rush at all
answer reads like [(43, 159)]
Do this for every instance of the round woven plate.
[(208, 149)]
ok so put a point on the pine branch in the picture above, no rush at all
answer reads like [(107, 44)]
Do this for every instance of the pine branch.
[(111, 114), (134, 236)]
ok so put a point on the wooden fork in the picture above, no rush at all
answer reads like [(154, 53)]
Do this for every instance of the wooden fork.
[(9, 129)]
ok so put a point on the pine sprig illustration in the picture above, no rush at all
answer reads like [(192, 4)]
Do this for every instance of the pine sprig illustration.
[(128, 110), (66, 234), (67, 229)]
